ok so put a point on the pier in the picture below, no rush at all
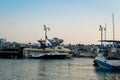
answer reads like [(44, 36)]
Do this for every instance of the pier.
[(11, 53)]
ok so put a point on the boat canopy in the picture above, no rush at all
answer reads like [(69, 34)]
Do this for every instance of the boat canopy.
[(115, 41), (116, 45), (104, 47)]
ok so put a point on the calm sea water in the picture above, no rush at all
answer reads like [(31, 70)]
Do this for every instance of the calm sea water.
[(38, 69)]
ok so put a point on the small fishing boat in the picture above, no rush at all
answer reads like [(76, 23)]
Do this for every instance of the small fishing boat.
[(105, 54), (107, 64)]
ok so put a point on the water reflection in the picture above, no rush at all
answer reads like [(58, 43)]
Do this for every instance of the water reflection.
[(104, 74), (70, 69)]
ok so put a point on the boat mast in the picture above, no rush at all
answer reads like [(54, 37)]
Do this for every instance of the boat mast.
[(101, 29), (105, 31), (113, 28), (46, 29)]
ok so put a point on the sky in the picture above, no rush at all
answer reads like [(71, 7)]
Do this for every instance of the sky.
[(75, 21)]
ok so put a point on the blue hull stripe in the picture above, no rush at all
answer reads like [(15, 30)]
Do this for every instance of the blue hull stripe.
[(106, 65)]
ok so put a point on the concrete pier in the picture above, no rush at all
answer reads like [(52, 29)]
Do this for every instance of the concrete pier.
[(11, 53)]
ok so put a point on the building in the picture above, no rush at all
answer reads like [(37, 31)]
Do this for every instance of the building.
[(2, 41)]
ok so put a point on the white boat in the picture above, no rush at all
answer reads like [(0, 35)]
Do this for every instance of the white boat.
[(53, 51), (107, 64), (51, 55), (111, 51), (58, 52)]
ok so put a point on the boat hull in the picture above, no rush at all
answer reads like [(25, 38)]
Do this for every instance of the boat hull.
[(46, 54), (49, 57), (105, 65)]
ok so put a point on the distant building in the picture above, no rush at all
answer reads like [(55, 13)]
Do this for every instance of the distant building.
[(2, 41), (11, 45)]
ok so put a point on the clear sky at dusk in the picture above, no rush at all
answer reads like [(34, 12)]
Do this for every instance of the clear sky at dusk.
[(75, 21)]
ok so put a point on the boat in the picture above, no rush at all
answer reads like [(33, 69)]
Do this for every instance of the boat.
[(51, 50), (107, 64), (58, 52), (108, 56), (51, 55), (112, 50)]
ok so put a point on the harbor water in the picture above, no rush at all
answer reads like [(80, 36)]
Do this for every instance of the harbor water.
[(40, 69)]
